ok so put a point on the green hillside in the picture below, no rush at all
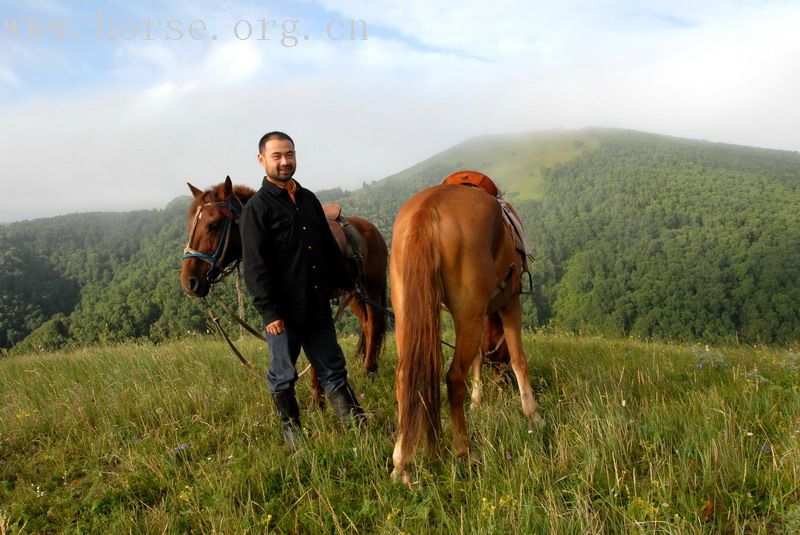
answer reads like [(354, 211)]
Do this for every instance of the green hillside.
[(516, 162), (634, 234), (670, 238)]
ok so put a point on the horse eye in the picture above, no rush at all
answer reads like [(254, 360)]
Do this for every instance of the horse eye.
[(214, 225)]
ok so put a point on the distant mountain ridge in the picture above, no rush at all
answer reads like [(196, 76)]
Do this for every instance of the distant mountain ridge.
[(635, 234), (517, 162)]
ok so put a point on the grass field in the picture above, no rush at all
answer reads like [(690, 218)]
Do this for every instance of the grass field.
[(179, 438)]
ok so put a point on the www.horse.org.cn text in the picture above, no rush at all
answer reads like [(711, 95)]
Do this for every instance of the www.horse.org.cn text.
[(287, 32)]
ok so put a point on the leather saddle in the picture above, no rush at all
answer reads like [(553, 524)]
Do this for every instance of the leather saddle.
[(350, 241), (474, 179)]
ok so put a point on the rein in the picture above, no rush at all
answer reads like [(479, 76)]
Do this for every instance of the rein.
[(215, 320), (216, 273)]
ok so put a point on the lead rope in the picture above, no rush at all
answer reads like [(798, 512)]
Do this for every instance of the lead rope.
[(239, 294), (215, 321), (240, 321), (245, 326)]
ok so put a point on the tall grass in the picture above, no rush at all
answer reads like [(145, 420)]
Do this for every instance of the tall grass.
[(180, 438)]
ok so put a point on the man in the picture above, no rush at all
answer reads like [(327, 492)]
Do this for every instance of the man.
[(291, 267)]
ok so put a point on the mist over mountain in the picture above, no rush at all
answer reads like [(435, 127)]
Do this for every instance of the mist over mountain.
[(634, 234)]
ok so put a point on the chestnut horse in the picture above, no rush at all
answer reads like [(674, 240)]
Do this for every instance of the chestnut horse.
[(214, 244), (450, 245)]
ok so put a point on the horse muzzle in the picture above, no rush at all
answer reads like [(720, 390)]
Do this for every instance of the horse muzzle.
[(195, 286)]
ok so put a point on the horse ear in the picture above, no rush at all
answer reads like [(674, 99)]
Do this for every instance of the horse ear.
[(195, 192), (228, 187)]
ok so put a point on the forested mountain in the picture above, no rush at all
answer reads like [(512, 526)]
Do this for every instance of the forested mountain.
[(634, 234), (94, 277)]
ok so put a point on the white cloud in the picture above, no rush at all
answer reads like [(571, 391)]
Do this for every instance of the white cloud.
[(485, 30), (231, 63), (9, 77)]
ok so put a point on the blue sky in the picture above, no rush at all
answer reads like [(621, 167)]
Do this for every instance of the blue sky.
[(132, 120)]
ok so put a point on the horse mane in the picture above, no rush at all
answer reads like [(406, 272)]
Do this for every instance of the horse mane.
[(216, 193)]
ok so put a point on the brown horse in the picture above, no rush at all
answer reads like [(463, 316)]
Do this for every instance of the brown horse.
[(214, 244), (450, 245)]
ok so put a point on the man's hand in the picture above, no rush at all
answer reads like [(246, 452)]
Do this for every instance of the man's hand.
[(276, 327)]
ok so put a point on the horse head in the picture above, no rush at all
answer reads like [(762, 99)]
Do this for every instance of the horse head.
[(214, 244)]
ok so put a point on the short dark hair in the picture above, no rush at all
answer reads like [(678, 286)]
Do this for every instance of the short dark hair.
[(272, 135)]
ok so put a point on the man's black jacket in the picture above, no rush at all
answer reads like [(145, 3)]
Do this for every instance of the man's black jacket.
[(291, 261)]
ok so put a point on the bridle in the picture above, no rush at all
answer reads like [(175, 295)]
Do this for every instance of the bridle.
[(217, 270)]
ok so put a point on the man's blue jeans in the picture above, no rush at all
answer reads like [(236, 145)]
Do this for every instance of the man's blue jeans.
[(318, 340)]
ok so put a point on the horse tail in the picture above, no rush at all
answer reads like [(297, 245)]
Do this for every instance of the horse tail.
[(420, 366)]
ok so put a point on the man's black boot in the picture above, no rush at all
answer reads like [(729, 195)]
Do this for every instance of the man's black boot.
[(289, 415), (344, 404)]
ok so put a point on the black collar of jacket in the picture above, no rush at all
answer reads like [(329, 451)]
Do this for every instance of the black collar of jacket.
[(275, 190)]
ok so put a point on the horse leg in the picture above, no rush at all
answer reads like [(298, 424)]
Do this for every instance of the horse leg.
[(401, 458), (468, 339), (365, 337), (317, 394), (374, 317), (511, 315), (477, 388), (486, 339), (371, 319)]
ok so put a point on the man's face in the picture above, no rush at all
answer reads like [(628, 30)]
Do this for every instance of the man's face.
[(278, 159)]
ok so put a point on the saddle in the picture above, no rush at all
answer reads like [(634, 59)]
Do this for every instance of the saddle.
[(479, 180), (474, 179), (350, 241)]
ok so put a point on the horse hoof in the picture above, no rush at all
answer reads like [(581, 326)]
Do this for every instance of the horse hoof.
[(462, 451), (474, 457), (537, 421), (401, 476)]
